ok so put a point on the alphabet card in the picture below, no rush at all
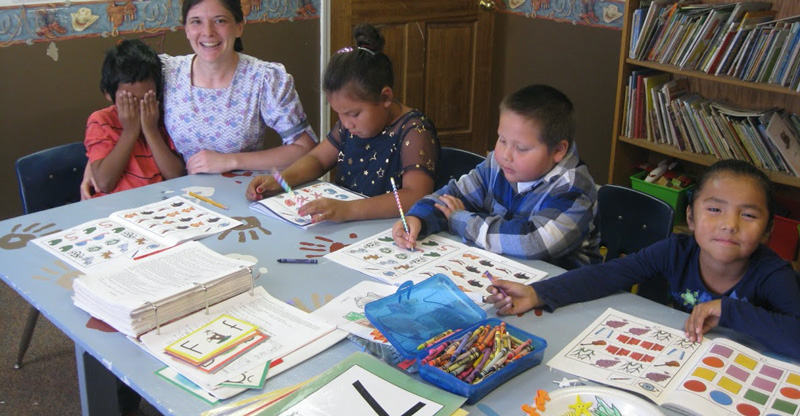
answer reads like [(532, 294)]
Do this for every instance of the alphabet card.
[(363, 385), (716, 376), (218, 336), (379, 257)]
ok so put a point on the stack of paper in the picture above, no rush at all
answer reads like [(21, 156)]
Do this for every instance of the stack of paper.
[(138, 296)]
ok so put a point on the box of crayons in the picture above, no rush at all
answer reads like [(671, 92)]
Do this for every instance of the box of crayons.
[(456, 346)]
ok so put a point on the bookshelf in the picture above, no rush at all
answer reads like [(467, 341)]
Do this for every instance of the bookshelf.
[(626, 151)]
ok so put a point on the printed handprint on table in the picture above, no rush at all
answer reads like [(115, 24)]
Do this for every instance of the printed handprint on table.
[(327, 245), (15, 240), (234, 175), (249, 227), (62, 274)]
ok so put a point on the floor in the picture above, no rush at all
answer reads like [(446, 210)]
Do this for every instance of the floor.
[(47, 382)]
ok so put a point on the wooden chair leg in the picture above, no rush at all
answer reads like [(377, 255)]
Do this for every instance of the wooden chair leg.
[(27, 334)]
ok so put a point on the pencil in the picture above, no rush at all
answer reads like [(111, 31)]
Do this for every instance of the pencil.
[(209, 200), (399, 205), (286, 187)]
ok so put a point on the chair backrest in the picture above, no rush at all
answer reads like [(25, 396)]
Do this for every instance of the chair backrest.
[(453, 163), (631, 220), (51, 177)]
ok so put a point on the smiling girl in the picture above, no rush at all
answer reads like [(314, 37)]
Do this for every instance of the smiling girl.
[(376, 138), (721, 275)]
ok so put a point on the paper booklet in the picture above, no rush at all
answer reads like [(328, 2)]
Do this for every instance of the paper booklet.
[(346, 311), (134, 233), (289, 329), (284, 206), (134, 297), (379, 257), (716, 376)]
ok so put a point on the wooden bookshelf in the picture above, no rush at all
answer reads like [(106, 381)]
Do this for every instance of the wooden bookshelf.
[(627, 152)]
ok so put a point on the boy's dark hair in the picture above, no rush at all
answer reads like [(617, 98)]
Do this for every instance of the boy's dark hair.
[(548, 107), (233, 6), (128, 62), (365, 66), (739, 168)]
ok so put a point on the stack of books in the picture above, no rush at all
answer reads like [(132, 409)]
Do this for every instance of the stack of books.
[(741, 40), (663, 110)]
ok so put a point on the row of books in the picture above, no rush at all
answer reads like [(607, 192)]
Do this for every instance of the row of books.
[(664, 110), (741, 40)]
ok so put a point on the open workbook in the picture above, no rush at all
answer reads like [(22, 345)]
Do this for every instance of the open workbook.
[(716, 376), (136, 297), (284, 206), (134, 232)]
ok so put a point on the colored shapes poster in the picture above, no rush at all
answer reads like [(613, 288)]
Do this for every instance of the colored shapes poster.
[(379, 257), (716, 376)]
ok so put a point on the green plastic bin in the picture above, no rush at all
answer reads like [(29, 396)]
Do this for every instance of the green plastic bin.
[(676, 198)]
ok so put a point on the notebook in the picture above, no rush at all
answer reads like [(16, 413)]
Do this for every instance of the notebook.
[(284, 206)]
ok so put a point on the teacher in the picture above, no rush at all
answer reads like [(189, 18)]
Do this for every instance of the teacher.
[(218, 102)]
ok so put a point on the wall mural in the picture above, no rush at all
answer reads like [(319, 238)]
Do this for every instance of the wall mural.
[(32, 23), (598, 13)]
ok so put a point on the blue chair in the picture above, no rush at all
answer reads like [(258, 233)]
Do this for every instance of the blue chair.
[(630, 220), (453, 163), (47, 179)]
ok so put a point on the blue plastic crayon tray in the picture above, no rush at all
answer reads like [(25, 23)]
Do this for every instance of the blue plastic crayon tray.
[(416, 313)]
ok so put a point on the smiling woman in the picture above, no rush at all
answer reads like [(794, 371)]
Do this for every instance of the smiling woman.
[(218, 102)]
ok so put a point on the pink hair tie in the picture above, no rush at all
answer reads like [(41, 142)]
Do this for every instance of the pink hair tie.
[(345, 50)]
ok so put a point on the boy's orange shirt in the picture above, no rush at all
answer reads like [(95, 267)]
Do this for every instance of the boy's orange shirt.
[(103, 131)]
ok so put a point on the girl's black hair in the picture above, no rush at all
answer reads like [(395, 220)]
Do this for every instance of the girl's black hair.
[(740, 168), (365, 66), (128, 62), (233, 6)]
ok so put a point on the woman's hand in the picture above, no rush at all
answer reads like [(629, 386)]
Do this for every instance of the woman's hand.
[(209, 161), (449, 204), (704, 317), (512, 298), (326, 209), (261, 187)]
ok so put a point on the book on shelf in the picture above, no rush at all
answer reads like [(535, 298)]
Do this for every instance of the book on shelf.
[(785, 140), (720, 43), (756, 37), (636, 24), (136, 297), (787, 56), (709, 31), (285, 206), (668, 93), (652, 23), (713, 376), (132, 233), (652, 82)]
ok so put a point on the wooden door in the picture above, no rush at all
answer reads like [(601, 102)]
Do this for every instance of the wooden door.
[(441, 52)]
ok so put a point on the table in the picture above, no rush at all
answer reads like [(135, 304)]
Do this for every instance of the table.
[(101, 355)]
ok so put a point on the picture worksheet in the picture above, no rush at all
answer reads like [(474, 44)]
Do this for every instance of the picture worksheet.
[(284, 206), (134, 233), (716, 376), (379, 257)]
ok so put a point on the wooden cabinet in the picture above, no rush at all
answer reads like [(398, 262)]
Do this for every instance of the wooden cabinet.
[(626, 151)]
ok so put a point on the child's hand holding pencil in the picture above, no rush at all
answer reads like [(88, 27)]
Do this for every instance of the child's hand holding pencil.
[(403, 239)]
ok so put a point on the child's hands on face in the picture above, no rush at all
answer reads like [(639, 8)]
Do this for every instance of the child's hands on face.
[(261, 187), (128, 112), (406, 240), (326, 209), (149, 113), (704, 317), (518, 298), (449, 204)]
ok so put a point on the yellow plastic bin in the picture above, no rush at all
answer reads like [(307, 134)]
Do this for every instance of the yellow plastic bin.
[(676, 198)]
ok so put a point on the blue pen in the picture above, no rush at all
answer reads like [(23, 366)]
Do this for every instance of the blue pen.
[(300, 261)]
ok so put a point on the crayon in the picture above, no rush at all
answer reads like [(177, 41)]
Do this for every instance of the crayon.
[(434, 340)]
